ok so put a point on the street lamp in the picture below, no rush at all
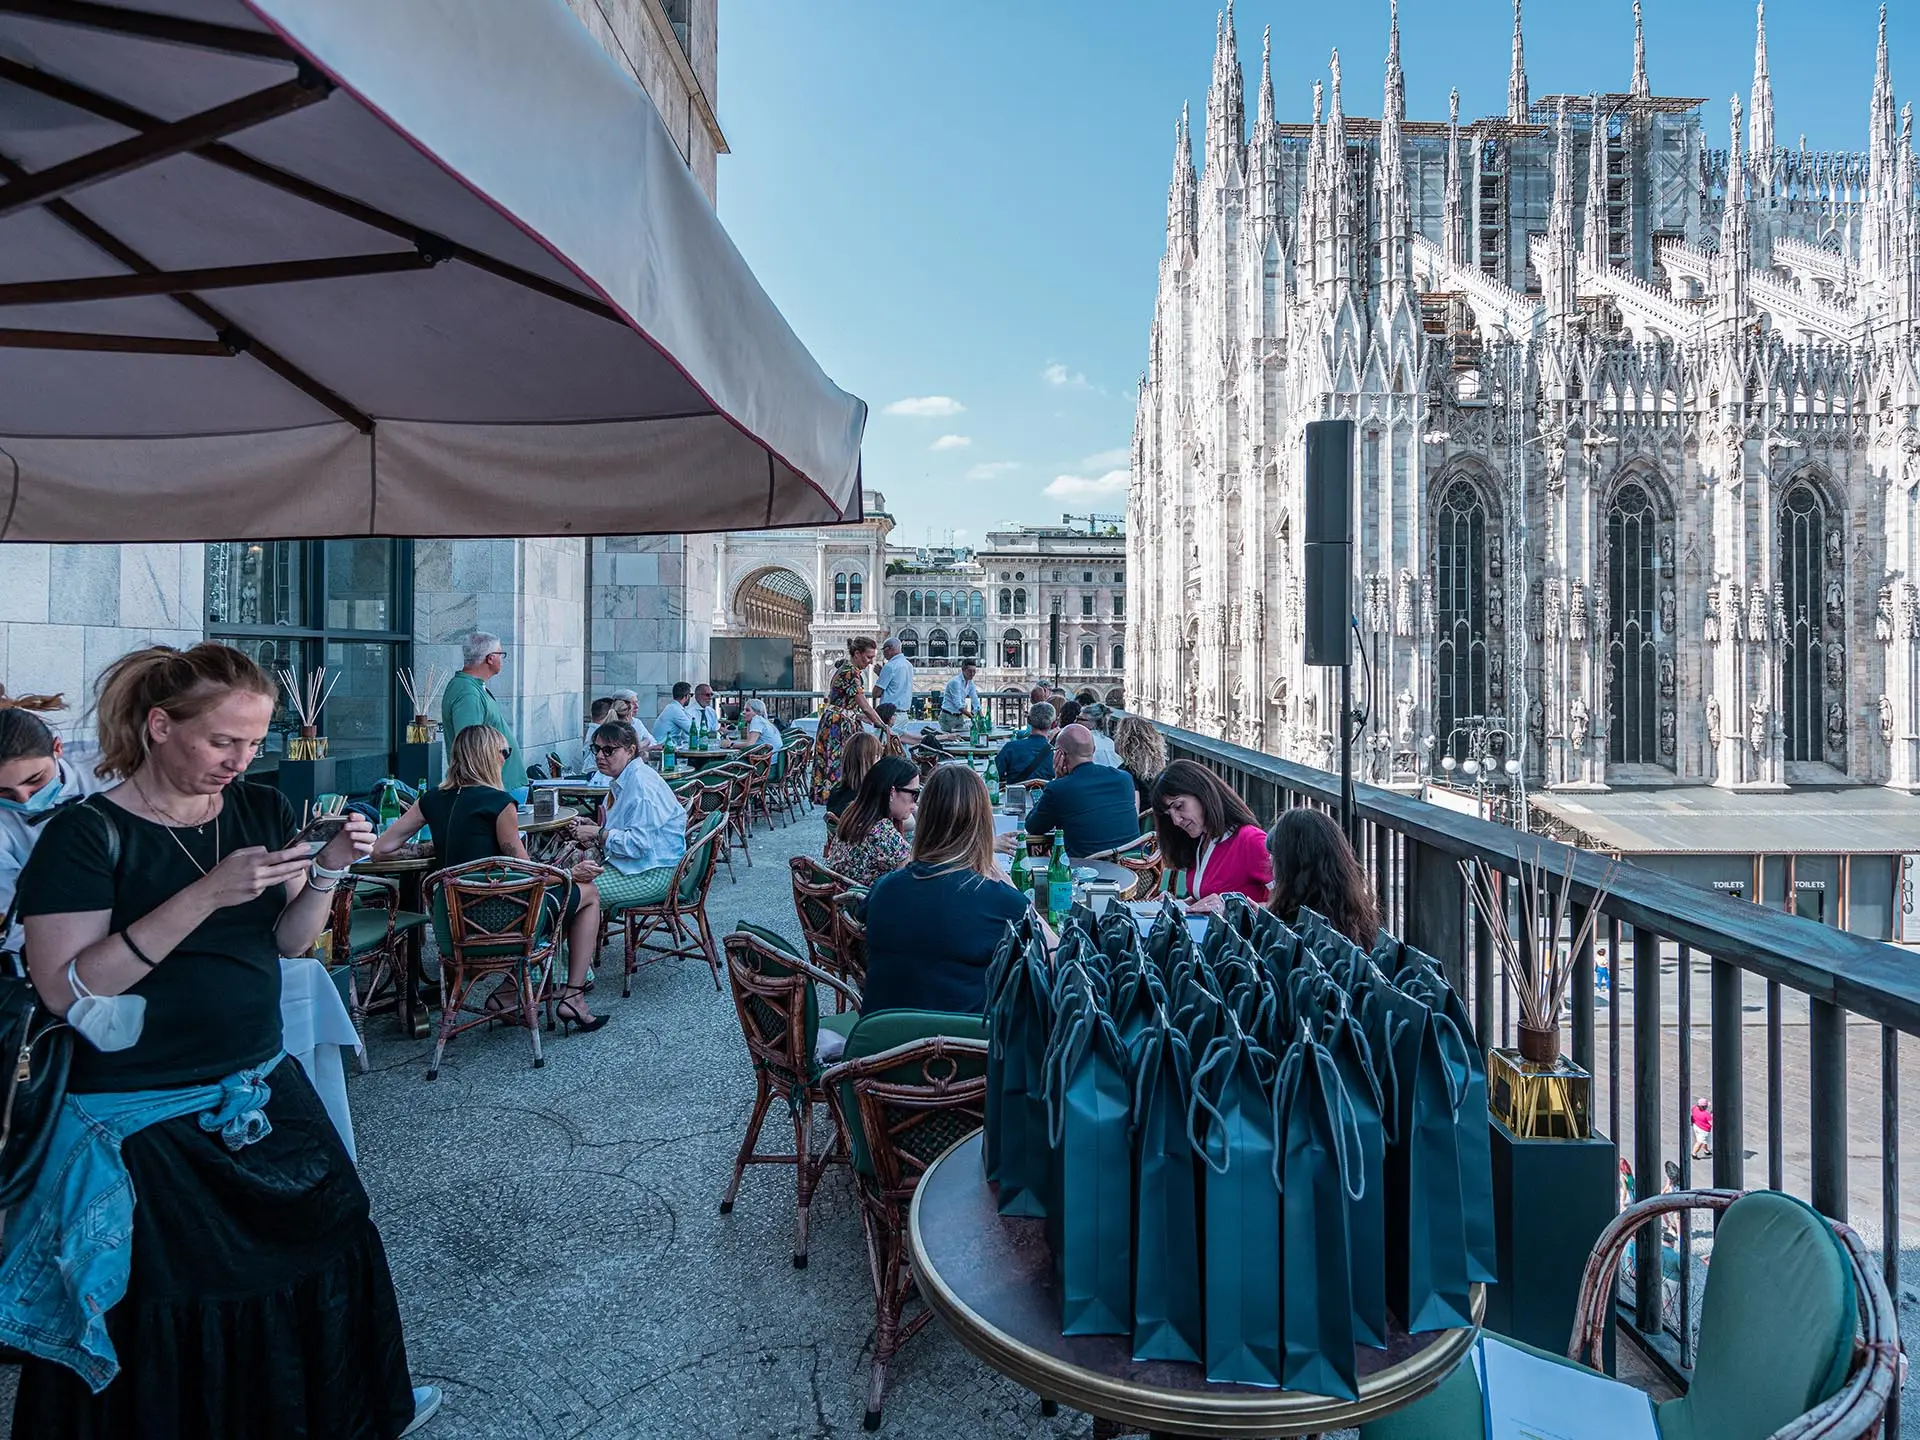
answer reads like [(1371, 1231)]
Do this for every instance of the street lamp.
[(1491, 758)]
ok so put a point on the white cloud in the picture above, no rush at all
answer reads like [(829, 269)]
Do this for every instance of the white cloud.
[(1109, 486), (1058, 374), (991, 469), (960, 537), (1107, 459), (951, 442), (924, 407)]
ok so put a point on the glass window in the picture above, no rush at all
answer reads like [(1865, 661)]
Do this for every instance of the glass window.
[(1006, 601), (840, 594), (910, 643), (1020, 602), (257, 583), (1086, 606), (977, 606), (359, 584), (1633, 583), (1056, 577), (1086, 577), (969, 645), (1119, 657), (1010, 649), (917, 610), (1460, 657), (937, 646), (1086, 657), (856, 586), (1119, 605), (946, 604), (899, 602), (1800, 581)]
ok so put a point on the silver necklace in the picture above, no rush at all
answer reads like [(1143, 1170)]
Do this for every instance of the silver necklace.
[(174, 826)]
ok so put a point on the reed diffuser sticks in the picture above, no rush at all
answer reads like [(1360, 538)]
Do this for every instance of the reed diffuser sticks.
[(420, 688), (307, 696), (1537, 969)]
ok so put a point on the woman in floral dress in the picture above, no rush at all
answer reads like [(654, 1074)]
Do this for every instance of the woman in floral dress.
[(846, 710)]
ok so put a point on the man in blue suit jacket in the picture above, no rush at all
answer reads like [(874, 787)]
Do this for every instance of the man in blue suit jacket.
[(1030, 756), (1092, 804)]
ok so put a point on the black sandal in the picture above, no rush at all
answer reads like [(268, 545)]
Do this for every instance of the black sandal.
[(570, 1018)]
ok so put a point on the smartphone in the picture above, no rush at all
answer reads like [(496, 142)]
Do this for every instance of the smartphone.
[(318, 832)]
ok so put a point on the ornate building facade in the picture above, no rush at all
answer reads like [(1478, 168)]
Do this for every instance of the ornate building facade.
[(1637, 430)]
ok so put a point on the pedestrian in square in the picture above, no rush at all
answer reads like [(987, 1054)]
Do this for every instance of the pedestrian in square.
[(1702, 1128)]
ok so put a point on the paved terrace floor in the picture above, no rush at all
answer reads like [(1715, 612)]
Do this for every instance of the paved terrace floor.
[(556, 1240)]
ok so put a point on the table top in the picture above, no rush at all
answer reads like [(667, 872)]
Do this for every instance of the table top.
[(405, 864), (990, 1279)]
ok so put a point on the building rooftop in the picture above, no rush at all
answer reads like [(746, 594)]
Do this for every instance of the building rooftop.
[(1855, 820)]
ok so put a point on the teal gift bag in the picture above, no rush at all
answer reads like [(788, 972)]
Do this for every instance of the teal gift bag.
[(1167, 1320), (1090, 1210), (1352, 1056), (1019, 1022), (1317, 1168), (1231, 1127), (1467, 1068)]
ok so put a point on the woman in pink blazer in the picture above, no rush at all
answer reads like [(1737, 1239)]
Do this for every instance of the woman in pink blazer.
[(1209, 840)]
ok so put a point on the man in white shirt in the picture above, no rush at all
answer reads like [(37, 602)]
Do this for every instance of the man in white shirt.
[(893, 684), (676, 720), (703, 708), (959, 700)]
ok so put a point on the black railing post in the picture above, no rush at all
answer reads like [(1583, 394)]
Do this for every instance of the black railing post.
[(1583, 996), (1646, 1117), (1890, 1185), (1483, 970), (1436, 910), (1827, 1065), (1729, 1076)]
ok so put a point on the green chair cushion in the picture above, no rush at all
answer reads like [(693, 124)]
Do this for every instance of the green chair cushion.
[(840, 1023), (768, 937), (366, 930), (405, 920), (1776, 1323), (881, 1032)]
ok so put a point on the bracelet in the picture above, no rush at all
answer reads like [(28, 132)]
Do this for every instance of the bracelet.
[(127, 937), (336, 876), (327, 889)]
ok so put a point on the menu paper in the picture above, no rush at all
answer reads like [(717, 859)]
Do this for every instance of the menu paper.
[(1530, 1398)]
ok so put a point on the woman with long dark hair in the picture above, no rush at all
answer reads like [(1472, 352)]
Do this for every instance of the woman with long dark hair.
[(35, 777), (871, 839), (1315, 868), (856, 759), (204, 1262), (1209, 840)]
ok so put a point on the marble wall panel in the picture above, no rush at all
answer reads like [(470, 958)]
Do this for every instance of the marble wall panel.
[(25, 585)]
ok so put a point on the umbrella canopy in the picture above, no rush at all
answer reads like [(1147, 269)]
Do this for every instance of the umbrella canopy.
[(376, 267)]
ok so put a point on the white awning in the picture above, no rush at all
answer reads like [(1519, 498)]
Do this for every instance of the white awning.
[(276, 268)]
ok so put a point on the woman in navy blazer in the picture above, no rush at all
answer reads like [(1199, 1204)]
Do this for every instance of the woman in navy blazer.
[(932, 926)]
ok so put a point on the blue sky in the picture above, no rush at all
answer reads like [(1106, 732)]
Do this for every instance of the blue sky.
[(960, 205)]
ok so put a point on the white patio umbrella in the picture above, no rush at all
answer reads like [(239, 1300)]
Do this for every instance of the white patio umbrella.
[(274, 268)]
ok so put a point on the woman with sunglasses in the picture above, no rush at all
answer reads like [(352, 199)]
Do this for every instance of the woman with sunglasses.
[(932, 927), (871, 839), (643, 832), (473, 818)]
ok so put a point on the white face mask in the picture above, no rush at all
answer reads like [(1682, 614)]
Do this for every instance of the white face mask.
[(109, 1022)]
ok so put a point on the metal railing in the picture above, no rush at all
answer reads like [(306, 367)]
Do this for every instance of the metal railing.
[(1830, 1000)]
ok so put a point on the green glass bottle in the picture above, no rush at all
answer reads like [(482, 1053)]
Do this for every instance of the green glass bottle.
[(1059, 881), (389, 803), (1020, 876), (666, 756)]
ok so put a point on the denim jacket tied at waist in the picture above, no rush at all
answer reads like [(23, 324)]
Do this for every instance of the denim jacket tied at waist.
[(64, 1260)]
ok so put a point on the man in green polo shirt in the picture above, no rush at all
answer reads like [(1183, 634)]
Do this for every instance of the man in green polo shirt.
[(467, 701)]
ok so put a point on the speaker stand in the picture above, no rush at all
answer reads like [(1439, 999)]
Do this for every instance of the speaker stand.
[(1347, 823)]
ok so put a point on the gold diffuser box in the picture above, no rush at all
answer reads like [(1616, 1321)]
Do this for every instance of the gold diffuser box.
[(1540, 1100)]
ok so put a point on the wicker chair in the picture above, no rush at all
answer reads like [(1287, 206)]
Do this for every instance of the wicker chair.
[(496, 917), (370, 929), (738, 776), (816, 895), (797, 771), (1792, 1345), (762, 792), (853, 937), (675, 922), (1142, 857), (779, 1008), (912, 1084)]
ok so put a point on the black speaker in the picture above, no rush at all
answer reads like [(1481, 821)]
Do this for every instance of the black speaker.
[(1329, 582), (1329, 481), (1329, 551)]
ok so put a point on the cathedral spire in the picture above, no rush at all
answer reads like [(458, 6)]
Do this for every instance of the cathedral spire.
[(1640, 89), (1263, 117), (1396, 98), (1226, 102), (1735, 258), (1876, 237), (1558, 283), (1396, 213), (1338, 190), (1454, 237), (1594, 249), (1263, 155), (1183, 210), (1760, 117), (1517, 80)]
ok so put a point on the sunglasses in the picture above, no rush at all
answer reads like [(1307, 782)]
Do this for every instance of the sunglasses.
[(506, 754), (607, 749), (913, 790)]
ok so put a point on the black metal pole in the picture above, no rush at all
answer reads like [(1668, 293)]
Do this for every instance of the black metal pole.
[(1346, 751)]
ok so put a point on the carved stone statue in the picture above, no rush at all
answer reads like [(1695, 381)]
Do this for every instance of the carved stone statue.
[(1713, 721), (1757, 726), (1496, 557), (1536, 619), (1757, 616), (1666, 550), (1666, 732), (1282, 698), (1666, 676), (1666, 610), (1577, 613), (1734, 615), (1836, 663), (1427, 609), (1496, 679), (1403, 707), (1836, 726), (1833, 549), (1556, 625), (1907, 625), (1403, 604), (1496, 609), (1710, 627), (1836, 603), (1885, 704), (1883, 615), (1537, 721), (1782, 617), (1579, 724), (1556, 467), (1374, 611)]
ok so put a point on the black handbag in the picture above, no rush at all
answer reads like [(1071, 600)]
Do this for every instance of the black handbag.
[(36, 1046)]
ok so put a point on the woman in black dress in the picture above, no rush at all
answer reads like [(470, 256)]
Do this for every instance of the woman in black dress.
[(257, 1298)]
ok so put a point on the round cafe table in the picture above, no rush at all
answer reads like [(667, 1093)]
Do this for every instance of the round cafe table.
[(990, 1279)]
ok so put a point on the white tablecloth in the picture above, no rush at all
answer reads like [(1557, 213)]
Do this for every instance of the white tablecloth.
[(315, 1029)]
